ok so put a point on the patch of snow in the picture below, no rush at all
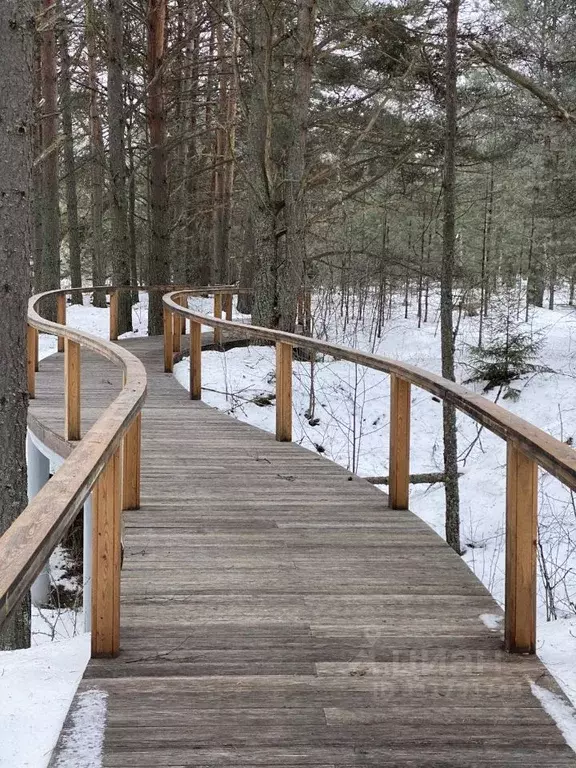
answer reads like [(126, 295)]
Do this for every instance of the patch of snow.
[(82, 745), (95, 320), (562, 713), (37, 686), (492, 620)]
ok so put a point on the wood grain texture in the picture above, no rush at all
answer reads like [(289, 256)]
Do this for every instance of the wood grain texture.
[(283, 392), (228, 298), (521, 536), (114, 310), (131, 465), (195, 360), (61, 317), (72, 398), (399, 453), (168, 342), (106, 533), (276, 612), (217, 315), (178, 323)]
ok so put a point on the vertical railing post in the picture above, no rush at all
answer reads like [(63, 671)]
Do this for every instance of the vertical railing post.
[(399, 443), (176, 332), (183, 301), (168, 343), (228, 306), (61, 317), (521, 538), (195, 360), (71, 390), (283, 392), (31, 345), (114, 297), (131, 450), (106, 554), (218, 314)]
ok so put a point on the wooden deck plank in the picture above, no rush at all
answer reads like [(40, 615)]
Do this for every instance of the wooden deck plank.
[(275, 612)]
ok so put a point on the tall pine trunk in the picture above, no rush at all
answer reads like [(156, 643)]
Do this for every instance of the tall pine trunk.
[(291, 272), (74, 249), (96, 161), (118, 200), (447, 278), (50, 198), (158, 254), (16, 134)]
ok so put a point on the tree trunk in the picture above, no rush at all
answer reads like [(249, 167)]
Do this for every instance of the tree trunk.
[(16, 133), (50, 198), (132, 244), (118, 200), (291, 272), (158, 254), (69, 162), (265, 199), (96, 162), (446, 289), (37, 183), (224, 153)]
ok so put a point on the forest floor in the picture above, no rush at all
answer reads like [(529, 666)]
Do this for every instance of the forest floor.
[(341, 411)]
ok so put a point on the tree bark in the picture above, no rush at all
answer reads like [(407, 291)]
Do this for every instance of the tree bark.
[(69, 161), (158, 254), (118, 200), (96, 161), (37, 182), (50, 152), (446, 290), (16, 133), (264, 194), (291, 272)]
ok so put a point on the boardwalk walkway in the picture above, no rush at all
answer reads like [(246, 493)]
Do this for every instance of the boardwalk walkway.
[(276, 613)]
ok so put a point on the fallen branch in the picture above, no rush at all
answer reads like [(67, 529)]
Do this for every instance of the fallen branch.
[(427, 478)]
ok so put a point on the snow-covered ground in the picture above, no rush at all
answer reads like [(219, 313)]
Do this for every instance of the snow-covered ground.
[(350, 417), (351, 405)]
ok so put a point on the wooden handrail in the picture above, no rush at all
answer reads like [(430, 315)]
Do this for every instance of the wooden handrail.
[(527, 447), (27, 544)]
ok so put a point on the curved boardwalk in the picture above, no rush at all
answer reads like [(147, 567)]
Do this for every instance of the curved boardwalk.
[(276, 613)]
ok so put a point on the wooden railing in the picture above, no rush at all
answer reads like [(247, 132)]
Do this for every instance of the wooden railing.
[(527, 446), (105, 461)]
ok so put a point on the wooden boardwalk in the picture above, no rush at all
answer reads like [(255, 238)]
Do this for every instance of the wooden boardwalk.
[(275, 612)]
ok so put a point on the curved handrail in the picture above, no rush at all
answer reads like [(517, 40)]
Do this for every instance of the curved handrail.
[(27, 544), (556, 457), (527, 446)]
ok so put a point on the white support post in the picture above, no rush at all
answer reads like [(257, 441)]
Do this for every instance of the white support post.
[(38, 476)]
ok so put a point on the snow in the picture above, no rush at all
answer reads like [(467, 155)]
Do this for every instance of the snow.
[(82, 745), (37, 687), (352, 407), (95, 320), (492, 621), (559, 711)]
